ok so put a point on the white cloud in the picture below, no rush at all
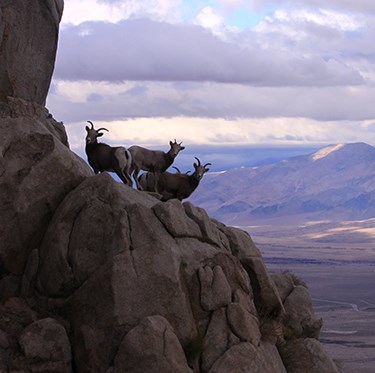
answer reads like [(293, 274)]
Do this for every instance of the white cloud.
[(362, 6), (79, 11), (305, 74), (156, 132)]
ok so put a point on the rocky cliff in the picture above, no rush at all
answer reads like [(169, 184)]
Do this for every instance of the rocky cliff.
[(98, 277)]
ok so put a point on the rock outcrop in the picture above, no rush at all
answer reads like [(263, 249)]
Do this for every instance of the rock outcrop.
[(98, 277), (28, 44)]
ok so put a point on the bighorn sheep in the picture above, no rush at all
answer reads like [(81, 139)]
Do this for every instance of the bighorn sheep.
[(103, 157), (155, 161), (176, 185)]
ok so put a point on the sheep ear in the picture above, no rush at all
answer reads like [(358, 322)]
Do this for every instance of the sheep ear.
[(206, 169), (170, 143), (87, 129), (100, 134), (182, 148), (195, 165)]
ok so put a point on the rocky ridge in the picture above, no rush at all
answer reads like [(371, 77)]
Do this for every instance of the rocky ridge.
[(98, 277)]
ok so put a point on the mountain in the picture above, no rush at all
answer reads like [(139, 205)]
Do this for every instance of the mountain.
[(336, 182)]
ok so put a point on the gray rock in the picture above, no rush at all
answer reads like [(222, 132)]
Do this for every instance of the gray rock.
[(4, 343), (216, 339), (29, 276), (300, 319), (306, 356), (152, 346), (46, 347), (241, 358), (284, 283), (210, 233), (87, 230), (266, 296), (173, 216), (36, 172), (243, 324), (35, 32), (215, 289), (245, 358), (9, 287)]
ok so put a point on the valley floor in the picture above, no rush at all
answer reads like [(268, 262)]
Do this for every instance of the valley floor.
[(341, 280)]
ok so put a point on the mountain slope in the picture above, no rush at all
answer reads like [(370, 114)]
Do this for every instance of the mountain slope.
[(336, 182)]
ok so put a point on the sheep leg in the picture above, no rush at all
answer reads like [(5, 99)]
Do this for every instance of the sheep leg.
[(156, 182), (135, 177), (121, 175), (126, 172), (120, 161), (166, 196)]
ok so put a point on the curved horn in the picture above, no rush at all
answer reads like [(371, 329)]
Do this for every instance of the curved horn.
[(176, 169), (199, 162), (207, 164), (92, 125), (100, 129)]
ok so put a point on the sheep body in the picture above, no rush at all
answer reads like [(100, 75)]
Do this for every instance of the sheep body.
[(176, 185), (155, 161), (103, 157)]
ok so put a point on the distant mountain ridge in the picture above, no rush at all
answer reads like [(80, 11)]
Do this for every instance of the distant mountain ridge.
[(336, 182)]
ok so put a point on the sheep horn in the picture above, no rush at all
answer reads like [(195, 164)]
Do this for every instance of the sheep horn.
[(92, 125), (199, 162), (207, 164), (176, 169), (100, 129)]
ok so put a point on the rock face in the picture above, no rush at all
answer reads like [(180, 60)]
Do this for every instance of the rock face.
[(98, 277), (28, 43)]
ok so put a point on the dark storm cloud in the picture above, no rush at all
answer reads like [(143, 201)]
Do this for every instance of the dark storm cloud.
[(156, 51)]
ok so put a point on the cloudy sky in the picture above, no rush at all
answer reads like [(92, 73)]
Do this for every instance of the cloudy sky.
[(219, 72)]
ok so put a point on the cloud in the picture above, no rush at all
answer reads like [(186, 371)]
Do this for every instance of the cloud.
[(303, 75), (146, 50), (363, 6), (70, 101), (157, 132), (79, 11)]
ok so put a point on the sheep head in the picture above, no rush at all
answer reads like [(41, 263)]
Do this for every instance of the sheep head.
[(93, 134), (199, 169), (175, 148)]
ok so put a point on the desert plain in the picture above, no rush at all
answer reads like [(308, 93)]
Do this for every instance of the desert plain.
[(337, 263)]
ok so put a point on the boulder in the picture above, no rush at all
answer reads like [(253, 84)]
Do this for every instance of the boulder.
[(299, 318), (26, 71), (37, 171), (46, 347), (173, 215), (243, 324), (215, 289), (284, 283), (266, 296), (306, 356), (151, 346), (216, 339), (244, 357)]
